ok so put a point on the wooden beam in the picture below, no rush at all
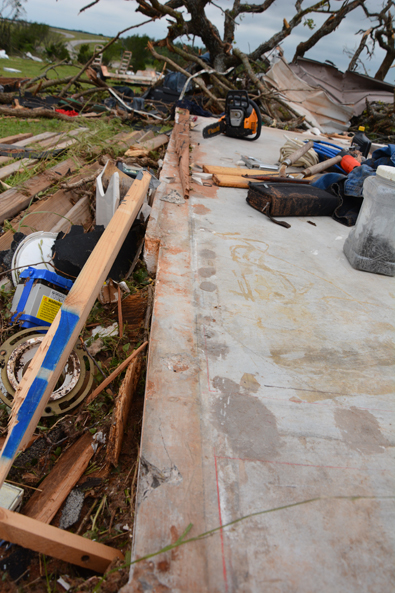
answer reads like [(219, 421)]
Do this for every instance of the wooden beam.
[(60, 203), (51, 541), (16, 199), (45, 368), (21, 164), (58, 484), (182, 139), (121, 410), (231, 181), (15, 138)]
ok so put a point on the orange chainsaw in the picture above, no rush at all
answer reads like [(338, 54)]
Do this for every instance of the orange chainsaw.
[(242, 118)]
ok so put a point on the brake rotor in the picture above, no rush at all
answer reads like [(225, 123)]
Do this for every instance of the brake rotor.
[(73, 385)]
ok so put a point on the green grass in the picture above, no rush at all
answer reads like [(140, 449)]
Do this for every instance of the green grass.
[(80, 35), (31, 69)]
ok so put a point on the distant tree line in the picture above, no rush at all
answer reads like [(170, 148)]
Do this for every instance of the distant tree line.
[(19, 37), (141, 56)]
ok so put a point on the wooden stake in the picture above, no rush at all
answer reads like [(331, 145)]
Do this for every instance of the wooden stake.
[(114, 374), (45, 368), (55, 542)]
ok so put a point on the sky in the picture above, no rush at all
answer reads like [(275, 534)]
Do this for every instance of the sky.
[(110, 16)]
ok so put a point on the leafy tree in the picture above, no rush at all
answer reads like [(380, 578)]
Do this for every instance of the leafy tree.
[(141, 56), (85, 53), (57, 50)]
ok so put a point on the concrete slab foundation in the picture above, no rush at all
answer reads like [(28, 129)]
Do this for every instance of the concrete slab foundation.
[(269, 393)]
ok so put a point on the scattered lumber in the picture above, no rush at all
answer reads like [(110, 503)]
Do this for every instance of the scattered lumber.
[(39, 537), (28, 163), (111, 377), (58, 484), (15, 138), (121, 410), (46, 214), (32, 140), (144, 148), (79, 214), (17, 166), (45, 368), (14, 200)]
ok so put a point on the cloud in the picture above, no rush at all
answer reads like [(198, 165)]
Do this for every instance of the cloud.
[(110, 16)]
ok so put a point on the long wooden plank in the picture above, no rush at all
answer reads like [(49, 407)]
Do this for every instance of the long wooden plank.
[(37, 536), (56, 487), (182, 140), (45, 368), (58, 141), (16, 199), (15, 138), (231, 181), (50, 211), (51, 142), (32, 140), (8, 170)]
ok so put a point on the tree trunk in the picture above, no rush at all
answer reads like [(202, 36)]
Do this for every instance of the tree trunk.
[(385, 65)]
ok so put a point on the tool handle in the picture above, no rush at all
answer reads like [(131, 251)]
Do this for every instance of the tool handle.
[(322, 166), (292, 158)]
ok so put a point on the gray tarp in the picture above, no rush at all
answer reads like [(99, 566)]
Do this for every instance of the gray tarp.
[(347, 88), (327, 97)]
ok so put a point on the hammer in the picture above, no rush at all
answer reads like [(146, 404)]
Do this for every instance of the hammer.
[(294, 157), (346, 160)]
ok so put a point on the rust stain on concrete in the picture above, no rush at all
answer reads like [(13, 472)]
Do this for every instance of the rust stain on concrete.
[(206, 272), (360, 430), (200, 209), (250, 426), (208, 286), (208, 254)]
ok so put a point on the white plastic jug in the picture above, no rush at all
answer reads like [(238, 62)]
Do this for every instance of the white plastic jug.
[(370, 246)]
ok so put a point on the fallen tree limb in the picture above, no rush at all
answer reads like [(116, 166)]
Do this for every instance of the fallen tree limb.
[(43, 372), (46, 113), (218, 102), (218, 77)]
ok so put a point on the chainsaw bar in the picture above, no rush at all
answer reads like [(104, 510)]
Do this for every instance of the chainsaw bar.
[(214, 129)]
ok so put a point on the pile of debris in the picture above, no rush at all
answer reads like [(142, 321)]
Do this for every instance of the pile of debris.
[(70, 251), (379, 121)]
